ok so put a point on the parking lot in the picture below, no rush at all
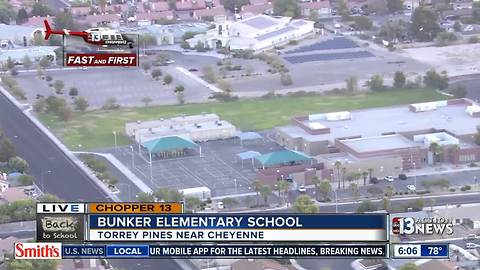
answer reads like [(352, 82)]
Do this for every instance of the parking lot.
[(128, 85), (218, 168)]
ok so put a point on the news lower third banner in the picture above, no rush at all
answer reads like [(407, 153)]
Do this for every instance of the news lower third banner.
[(72, 251), (237, 227), (165, 222)]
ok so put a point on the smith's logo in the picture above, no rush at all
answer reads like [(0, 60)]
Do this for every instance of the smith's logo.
[(38, 250), (427, 226), (59, 224)]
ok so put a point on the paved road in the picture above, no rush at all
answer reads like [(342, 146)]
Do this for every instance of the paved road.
[(54, 171), (472, 86)]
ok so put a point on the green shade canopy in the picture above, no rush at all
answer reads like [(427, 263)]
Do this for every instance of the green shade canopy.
[(280, 157), (168, 143)]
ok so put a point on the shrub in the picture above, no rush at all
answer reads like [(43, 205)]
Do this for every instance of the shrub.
[(473, 164), (48, 78), (421, 192), (374, 180), (285, 79), (473, 39), (73, 92), (25, 179), (452, 190)]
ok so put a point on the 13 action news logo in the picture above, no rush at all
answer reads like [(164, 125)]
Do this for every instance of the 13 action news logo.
[(38, 251), (426, 226)]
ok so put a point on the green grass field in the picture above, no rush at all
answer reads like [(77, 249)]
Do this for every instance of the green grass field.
[(95, 129)]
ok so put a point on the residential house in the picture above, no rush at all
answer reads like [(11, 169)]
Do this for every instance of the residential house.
[(12, 194), (322, 7), (190, 5), (150, 18), (209, 13), (80, 11), (461, 4), (36, 21), (95, 20), (116, 9), (158, 6), (253, 10)]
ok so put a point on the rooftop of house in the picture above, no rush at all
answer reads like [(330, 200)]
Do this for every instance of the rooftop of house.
[(260, 22)]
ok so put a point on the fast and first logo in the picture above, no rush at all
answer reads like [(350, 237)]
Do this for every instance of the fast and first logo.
[(426, 226)]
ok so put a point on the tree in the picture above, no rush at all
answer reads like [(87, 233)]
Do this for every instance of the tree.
[(352, 84), (409, 266), (200, 46), (344, 176), (58, 85), (399, 79), (65, 113), (73, 91), (229, 202), (283, 187), (192, 204), (343, 9), (394, 30), (257, 186), (305, 204), (234, 5), (224, 85), (18, 164), (436, 81), (22, 16), (354, 190), (168, 79), (6, 12), (338, 165), (179, 89), (25, 179), (288, 8), (457, 26), (424, 25), (265, 191), (362, 23), (209, 74), (156, 73), (313, 16), (376, 83), (444, 38), (435, 149), (81, 104), (316, 182), (476, 138), (10, 64), (285, 79), (64, 20), (394, 5), (27, 63), (146, 66), (145, 197), (44, 62), (31, 264), (147, 100), (40, 105), (7, 150), (180, 95), (386, 203), (389, 191), (147, 40), (364, 176), (111, 104), (325, 188), (40, 10), (366, 206)]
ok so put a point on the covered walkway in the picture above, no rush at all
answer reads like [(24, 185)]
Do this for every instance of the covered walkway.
[(289, 157)]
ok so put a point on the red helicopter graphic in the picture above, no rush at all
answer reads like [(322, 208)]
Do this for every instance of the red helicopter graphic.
[(101, 36)]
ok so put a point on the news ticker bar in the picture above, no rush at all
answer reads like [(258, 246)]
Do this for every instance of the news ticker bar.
[(412, 251), (66, 251), (123, 222)]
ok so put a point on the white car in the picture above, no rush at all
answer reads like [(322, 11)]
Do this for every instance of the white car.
[(389, 178), (220, 205), (468, 28), (302, 189), (411, 187), (472, 245)]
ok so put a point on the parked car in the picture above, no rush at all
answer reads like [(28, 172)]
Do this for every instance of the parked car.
[(468, 28), (411, 187), (402, 176), (192, 69), (471, 236), (471, 245), (374, 180), (302, 189), (220, 205), (389, 178)]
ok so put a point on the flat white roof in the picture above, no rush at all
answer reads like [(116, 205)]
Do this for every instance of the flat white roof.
[(377, 121), (379, 143)]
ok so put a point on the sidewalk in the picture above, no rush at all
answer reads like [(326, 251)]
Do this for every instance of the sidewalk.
[(440, 169)]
